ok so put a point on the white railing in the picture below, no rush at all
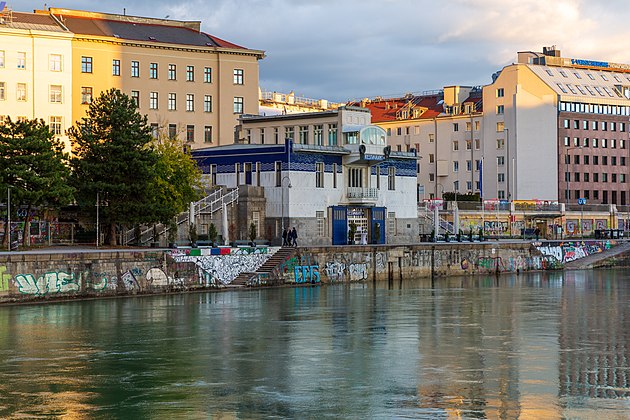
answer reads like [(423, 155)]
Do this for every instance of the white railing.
[(209, 204), (357, 193)]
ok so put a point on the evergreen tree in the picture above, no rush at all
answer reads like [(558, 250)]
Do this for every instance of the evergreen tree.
[(34, 166), (114, 158)]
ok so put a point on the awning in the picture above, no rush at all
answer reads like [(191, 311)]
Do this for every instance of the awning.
[(352, 128)]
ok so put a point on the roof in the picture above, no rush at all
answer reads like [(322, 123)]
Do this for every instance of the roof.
[(584, 85), (386, 109), (32, 21), (139, 28)]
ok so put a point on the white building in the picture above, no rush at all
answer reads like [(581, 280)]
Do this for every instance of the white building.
[(334, 169)]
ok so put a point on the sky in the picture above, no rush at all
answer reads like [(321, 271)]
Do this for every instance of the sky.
[(344, 50)]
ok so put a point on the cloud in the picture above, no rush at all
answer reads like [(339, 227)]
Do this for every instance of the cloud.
[(351, 49)]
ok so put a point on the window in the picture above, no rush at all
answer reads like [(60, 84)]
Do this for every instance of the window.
[(604, 160), (468, 126), (135, 69), (500, 143), (21, 92), (115, 67), (455, 126), (431, 158), (318, 134), (391, 178), (155, 130), (561, 86), (594, 125), (172, 72), (153, 71), (587, 176), (468, 144), (455, 185), (477, 144), (500, 93), (190, 133), (565, 123), (3, 91), (289, 133), (604, 177), (21, 61), (262, 136), (604, 143), (207, 103), (303, 134), (468, 165), (500, 126), (190, 102), (172, 102), (590, 76), (500, 109), (586, 159), (55, 125), (86, 95), (584, 125), (622, 160), (477, 125), (238, 104), (455, 145), (54, 62), (190, 73), (500, 177), (2, 59), (319, 175), (332, 134), (207, 134), (500, 160), (594, 143), (153, 100), (135, 96), (238, 76), (207, 75), (55, 94), (613, 126), (321, 223), (595, 160), (604, 126), (391, 222), (86, 64), (455, 166), (431, 137), (576, 124), (172, 131)]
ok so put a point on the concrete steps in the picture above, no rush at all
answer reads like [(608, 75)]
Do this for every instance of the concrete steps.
[(278, 258)]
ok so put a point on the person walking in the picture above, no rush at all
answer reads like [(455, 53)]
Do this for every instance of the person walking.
[(285, 236), (294, 236)]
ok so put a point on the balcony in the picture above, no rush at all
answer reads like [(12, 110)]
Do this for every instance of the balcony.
[(362, 195)]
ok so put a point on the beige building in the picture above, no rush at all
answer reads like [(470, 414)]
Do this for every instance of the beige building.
[(189, 83), (35, 70)]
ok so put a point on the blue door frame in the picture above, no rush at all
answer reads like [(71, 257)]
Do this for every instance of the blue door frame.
[(339, 225)]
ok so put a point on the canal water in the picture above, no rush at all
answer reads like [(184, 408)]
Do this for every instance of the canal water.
[(544, 345)]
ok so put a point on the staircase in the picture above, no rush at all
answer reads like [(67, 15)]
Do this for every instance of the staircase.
[(207, 205), (265, 273)]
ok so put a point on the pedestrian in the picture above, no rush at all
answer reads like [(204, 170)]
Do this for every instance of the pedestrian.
[(537, 233), (285, 235), (294, 236)]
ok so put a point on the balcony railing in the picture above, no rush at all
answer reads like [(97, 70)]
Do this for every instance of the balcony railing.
[(362, 194)]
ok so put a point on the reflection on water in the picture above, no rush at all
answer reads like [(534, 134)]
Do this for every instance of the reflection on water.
[(547, 345)]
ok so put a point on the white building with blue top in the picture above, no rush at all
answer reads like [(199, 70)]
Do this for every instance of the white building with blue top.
[(335, 172)]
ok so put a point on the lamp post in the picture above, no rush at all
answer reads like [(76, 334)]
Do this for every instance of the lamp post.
[(282, 187), (9, 217)]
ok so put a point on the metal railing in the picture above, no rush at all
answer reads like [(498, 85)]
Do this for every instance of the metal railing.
[(207, 205), (357, 193)]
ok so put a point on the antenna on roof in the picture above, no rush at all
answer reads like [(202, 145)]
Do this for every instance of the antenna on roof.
[(124, 11)]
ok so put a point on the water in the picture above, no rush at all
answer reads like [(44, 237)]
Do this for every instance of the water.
[(547, 345)]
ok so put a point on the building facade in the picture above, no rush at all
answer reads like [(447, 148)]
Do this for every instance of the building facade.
[(320, 184), (35, 70)]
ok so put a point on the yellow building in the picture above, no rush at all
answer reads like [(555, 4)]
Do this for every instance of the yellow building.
[(189, 83), (35, 70)]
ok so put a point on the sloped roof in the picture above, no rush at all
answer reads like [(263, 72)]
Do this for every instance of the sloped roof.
[(137, 31), (385, 110), (32, 21)]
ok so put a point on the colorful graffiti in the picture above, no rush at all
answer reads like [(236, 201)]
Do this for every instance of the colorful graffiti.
[(4, 279), (307, 274), (574, 250), (51, 282), (222, 268)]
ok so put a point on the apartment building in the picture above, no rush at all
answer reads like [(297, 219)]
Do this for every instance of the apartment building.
[(35, 70), (445, 128)]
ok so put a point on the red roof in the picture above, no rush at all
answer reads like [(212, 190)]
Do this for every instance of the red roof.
[(384, 110)]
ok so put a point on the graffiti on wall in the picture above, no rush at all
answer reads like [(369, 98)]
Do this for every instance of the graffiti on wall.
[(307, 274), (222, 268), (573, 250), (4, 279)]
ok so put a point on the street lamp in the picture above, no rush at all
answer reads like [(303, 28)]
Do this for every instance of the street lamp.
[(282, 187)]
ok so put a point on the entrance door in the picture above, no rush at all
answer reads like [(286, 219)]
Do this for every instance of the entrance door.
[(378, 225), (358, 216), (339, 225)]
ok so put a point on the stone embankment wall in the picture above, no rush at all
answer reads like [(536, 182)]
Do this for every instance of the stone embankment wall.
[(30, 277), (361, 263)]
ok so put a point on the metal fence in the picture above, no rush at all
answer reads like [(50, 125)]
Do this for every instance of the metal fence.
[(43, 233)]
